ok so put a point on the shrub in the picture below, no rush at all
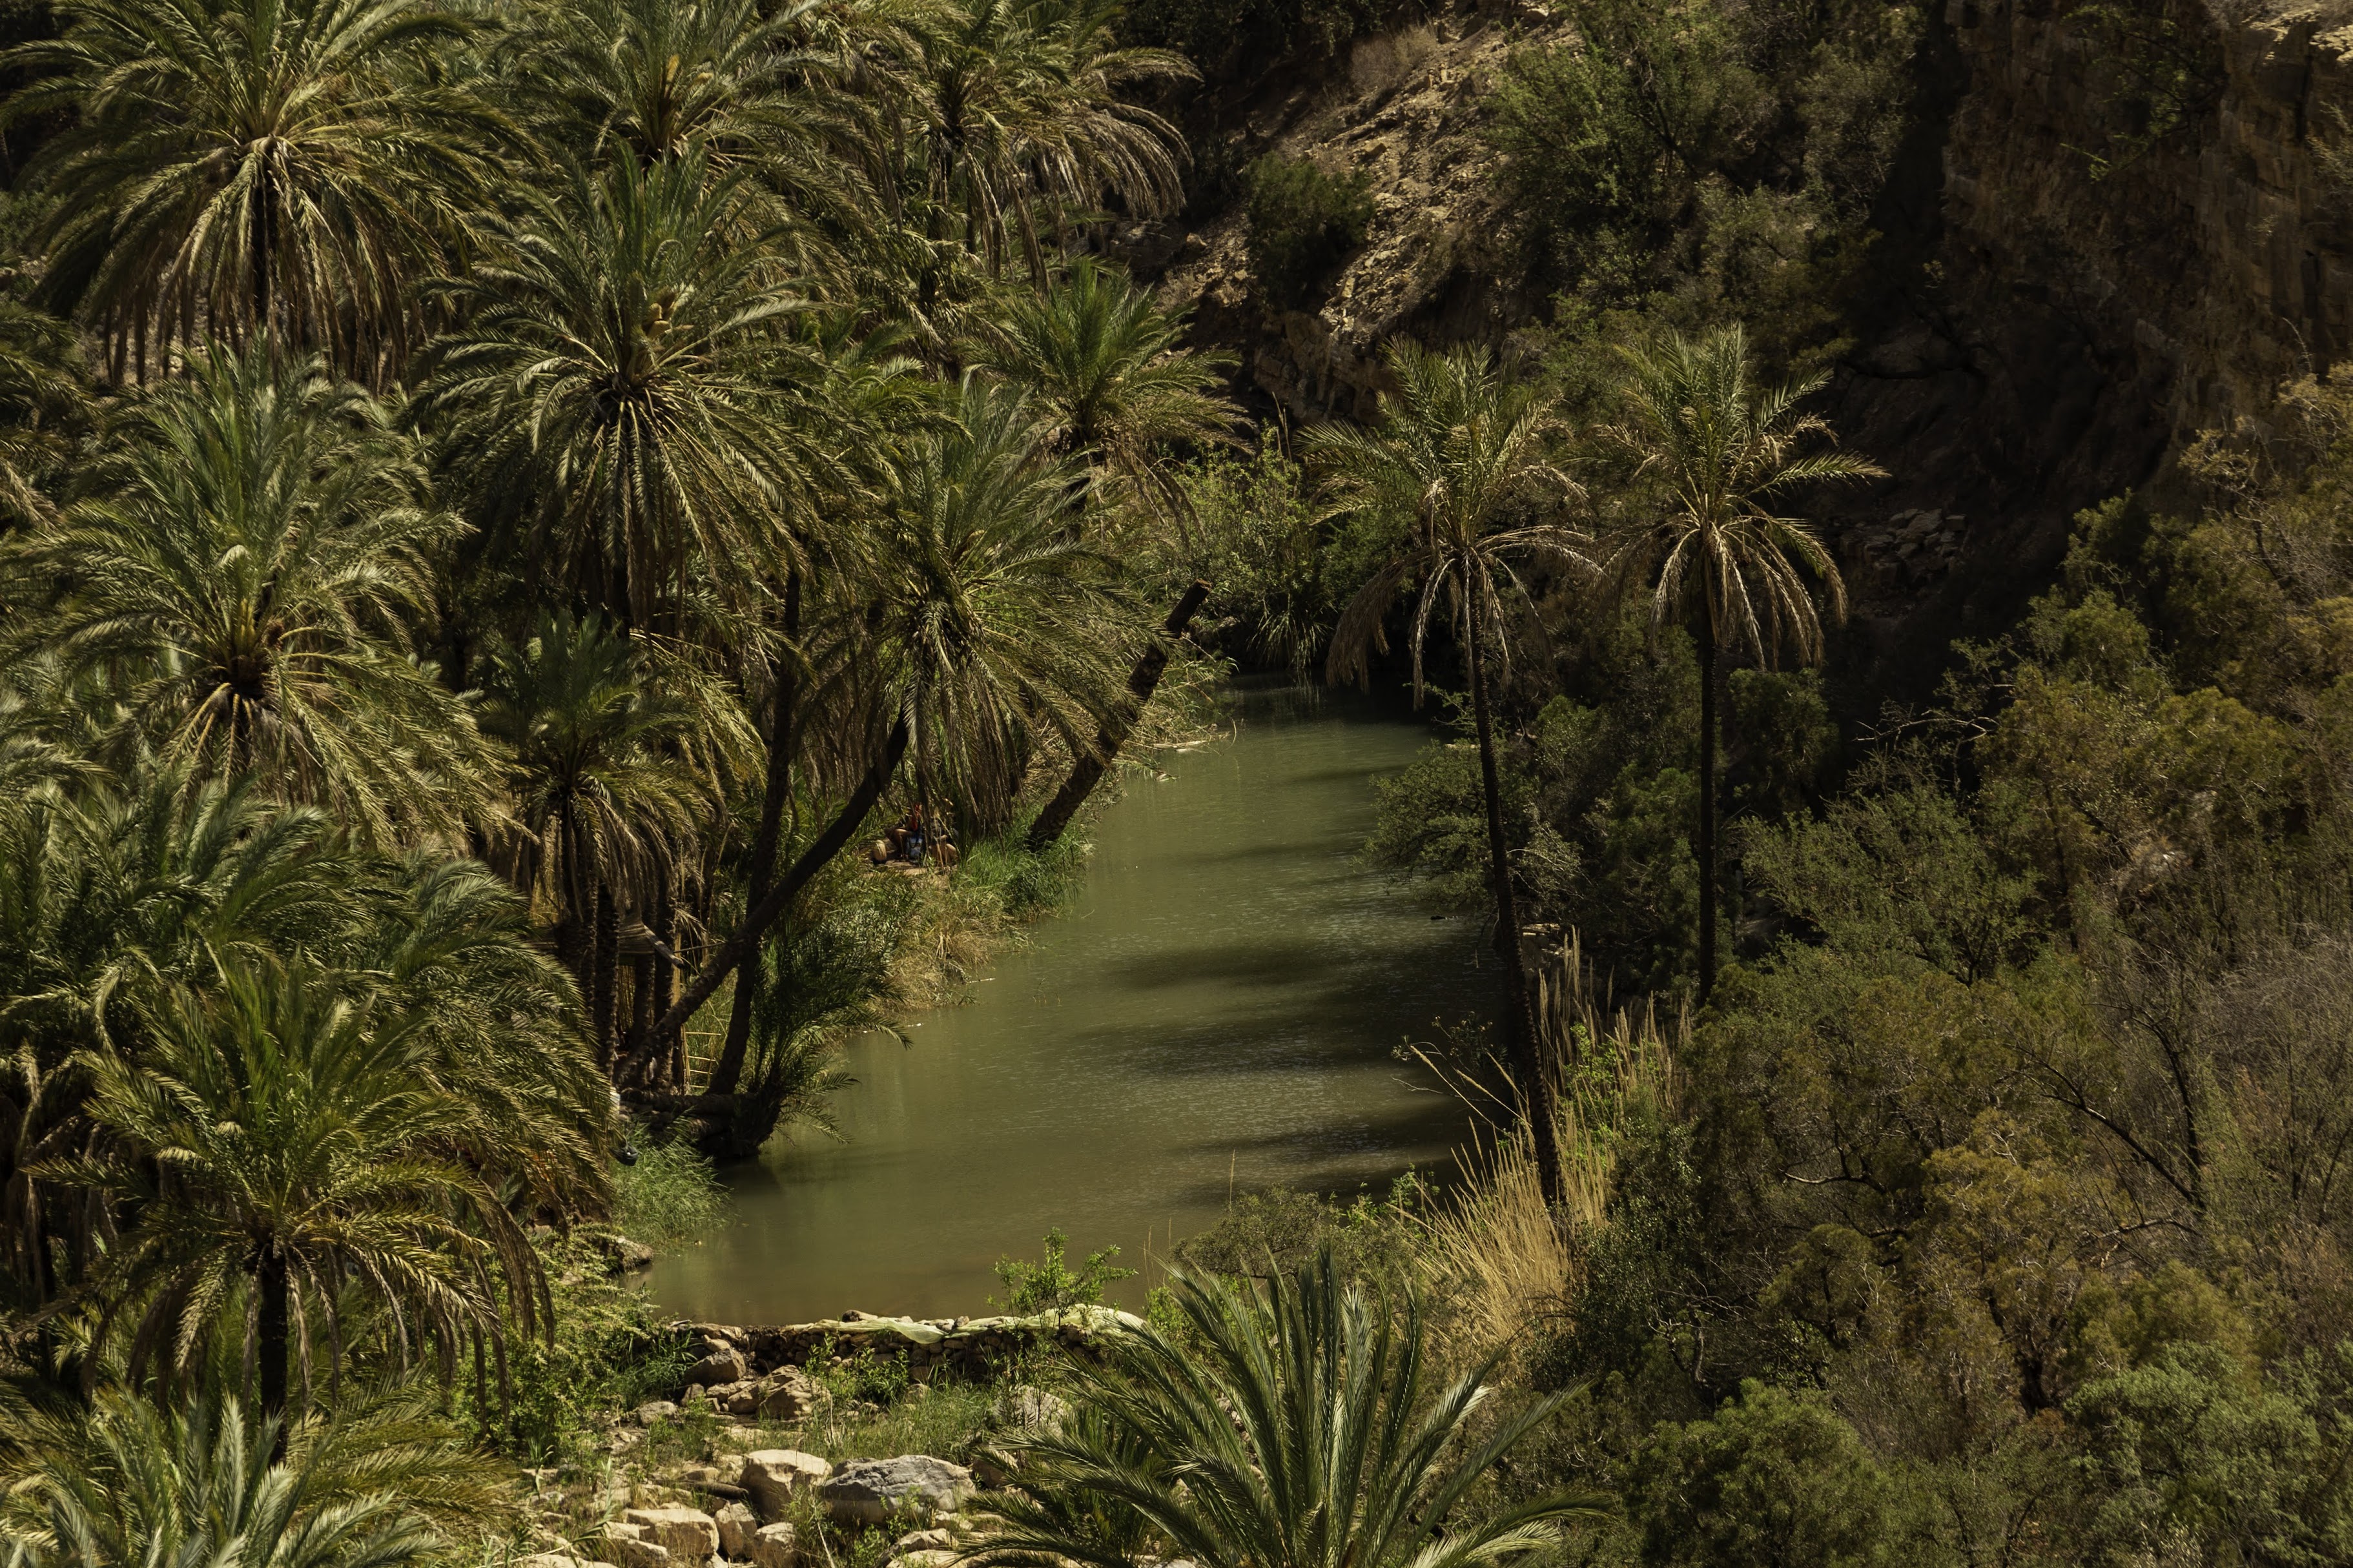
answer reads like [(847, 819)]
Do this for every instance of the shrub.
[(1050, 1284), (1303, 224)]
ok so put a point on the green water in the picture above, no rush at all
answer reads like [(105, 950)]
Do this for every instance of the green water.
[(1217, 1008)]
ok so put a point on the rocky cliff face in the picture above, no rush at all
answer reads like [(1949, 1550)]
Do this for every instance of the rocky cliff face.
[(2051, 332)]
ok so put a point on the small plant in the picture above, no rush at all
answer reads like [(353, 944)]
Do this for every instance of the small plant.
[(669, 1197), (1303, 224), (1050, 1285)]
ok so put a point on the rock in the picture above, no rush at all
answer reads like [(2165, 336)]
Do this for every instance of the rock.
[(547, 1560), (628, 1255), (722, 1364), (874, 1492), (626, 1545), (737, 1526), (655, 1410), (789, 1393), (773, 1475), (940, 1559), (735, 1398), (772, 1547), (687, 1533), (1028, 1409), (922, 1540)]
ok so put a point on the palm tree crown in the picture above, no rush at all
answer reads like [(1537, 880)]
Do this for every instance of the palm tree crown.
[(1300, 1419), (248, 586), (291, 167)]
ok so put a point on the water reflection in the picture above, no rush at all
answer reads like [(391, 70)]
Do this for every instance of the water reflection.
[(1217, 1008)]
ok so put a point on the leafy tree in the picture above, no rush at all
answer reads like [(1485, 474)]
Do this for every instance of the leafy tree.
[(1459, 478), (1299, 1416), (618, 395), (287, 168), (247, 583), (621, 756), (278, 1138), (1110, 374), (1714, 554)]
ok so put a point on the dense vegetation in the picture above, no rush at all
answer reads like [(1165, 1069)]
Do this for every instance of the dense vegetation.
[(500, 503)]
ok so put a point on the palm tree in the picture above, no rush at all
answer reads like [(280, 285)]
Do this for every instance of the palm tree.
[(1720, 451), (131, 1484), (1291, 1426), (235, 166), (282, 1142), (110, 893), (993, 615), (1022, 108), (44, 404), (247, 583), (621, 757), (619, 395), (1110, 370), (987, 618), (1459, 475)]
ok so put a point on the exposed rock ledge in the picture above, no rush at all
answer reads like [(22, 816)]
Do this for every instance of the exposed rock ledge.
[(963, 1345)]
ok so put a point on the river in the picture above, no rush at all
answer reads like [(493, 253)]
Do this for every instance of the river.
[(1216, 1009)]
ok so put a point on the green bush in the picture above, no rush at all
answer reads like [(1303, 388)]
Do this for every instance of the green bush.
[(1303, 224), (1050, 1284)]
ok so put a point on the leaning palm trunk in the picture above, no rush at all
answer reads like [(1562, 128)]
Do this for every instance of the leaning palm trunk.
[(1087, 772), (728, 1069), (763, 914), (1520, 1028)]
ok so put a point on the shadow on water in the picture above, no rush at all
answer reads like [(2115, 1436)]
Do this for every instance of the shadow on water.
[(1218, 1009)]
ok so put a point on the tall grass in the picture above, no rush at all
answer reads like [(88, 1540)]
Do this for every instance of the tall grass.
[(1495, 1252)]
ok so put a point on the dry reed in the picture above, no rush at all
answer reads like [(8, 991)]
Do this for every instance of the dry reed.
[(1497, 1253)]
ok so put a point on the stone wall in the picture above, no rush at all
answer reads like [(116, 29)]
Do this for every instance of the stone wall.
[(967, 1347)]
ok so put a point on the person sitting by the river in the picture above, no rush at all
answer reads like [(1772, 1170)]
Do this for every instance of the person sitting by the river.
[(916, 840)]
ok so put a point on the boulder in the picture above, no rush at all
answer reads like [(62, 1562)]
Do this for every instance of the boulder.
[(912, 1486), (921, 1541), (773, 1475), (737, 1525), (686, 1533), (772, 1547), (938, 1559), (655, 1410), (789, 1393), (547, 1560), (741, 1398), (721, 1363), (625, 1545), (1031, 1410)]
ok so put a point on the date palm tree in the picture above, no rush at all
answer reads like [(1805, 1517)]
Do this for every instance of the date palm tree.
[(1294, 1424), (132, 1483), (1109, 370), (109, 891), (247, 581), (1720, 453), (1022, 108), (988, 617), (618, 397), (1458, 475), (621, 757), (235, 166), (281, 1140)]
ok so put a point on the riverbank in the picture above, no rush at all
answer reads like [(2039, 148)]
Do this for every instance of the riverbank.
[(1216, 1008)]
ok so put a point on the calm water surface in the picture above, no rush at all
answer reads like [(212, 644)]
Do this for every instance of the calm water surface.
[(1216, 1009)]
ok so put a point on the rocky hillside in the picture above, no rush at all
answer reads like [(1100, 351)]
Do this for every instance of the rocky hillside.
[(2062, 309)]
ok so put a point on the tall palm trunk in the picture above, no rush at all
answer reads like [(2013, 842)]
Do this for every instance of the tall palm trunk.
[(273, 1332), (666, 981), (1527, 1062), (763, 869), (762, 915), (1707, 874), (604, 971)]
